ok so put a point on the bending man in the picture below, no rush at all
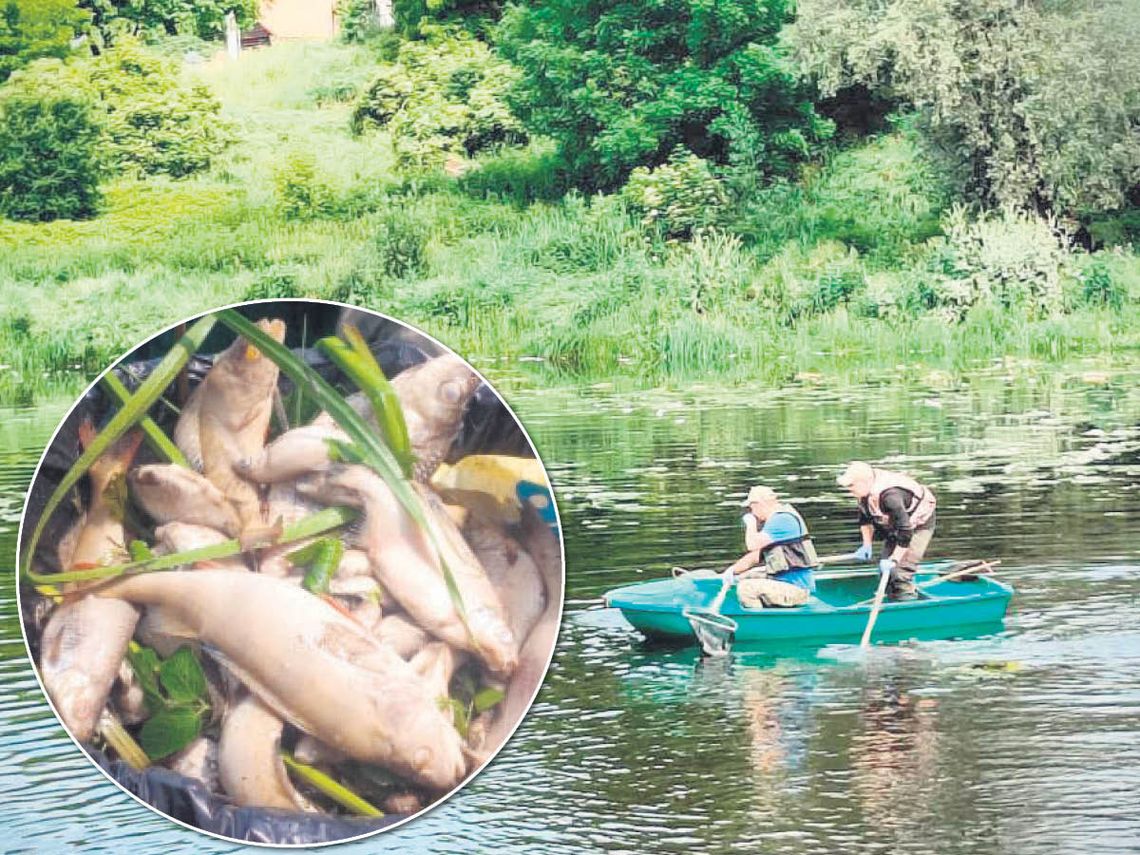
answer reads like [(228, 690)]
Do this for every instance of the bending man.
[(778, 544), (899, 509)]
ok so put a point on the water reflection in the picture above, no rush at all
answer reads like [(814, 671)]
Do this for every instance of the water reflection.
[(1020, 740)]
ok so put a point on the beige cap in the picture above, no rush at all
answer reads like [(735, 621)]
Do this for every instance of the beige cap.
[(759, 494), (856, 470)]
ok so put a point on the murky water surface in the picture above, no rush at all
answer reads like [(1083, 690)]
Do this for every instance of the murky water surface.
[(1025, 741)]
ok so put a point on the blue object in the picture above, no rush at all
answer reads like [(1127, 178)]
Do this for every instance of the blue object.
[(837, 612), (886, 566), (863, 553), (539, 498), (782, 527), (803, 577)]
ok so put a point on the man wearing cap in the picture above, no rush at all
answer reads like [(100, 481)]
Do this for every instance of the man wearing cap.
[(901, 510), (779, 546)]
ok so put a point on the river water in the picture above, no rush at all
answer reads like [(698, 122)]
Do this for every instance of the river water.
[(1023, 741)]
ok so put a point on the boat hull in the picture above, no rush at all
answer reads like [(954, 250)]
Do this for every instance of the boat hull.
[(838, 611)]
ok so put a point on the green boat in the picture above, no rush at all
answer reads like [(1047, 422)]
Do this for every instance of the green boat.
[(836, 613)]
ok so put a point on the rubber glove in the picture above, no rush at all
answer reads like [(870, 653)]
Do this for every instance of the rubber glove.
[(886, 566), (863, 553), (727, 577)]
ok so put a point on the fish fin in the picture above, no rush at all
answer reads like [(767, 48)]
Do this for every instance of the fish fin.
[(162, 621)]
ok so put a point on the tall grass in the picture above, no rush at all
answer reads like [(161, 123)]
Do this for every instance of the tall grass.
[(501, 266)]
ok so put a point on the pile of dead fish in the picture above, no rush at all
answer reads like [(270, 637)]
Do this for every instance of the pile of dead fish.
[(359, 676)]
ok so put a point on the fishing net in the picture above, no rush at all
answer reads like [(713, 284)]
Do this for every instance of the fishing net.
[(713, 630)]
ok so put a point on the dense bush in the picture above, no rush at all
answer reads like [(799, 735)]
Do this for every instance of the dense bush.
[(155, 123), (49, 159), (678, 199), (1009, 258), (442, 96), (1033, 105), (300, 193), (520, 175), (31, 29), (620, 85), (800, 282)]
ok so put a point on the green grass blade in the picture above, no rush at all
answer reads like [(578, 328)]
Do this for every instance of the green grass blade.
[(335, 790), (156, 437), (355, 359), (374, 453), (148, 392), (310, 526)]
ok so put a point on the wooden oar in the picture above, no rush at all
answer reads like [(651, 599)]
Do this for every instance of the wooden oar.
[(980, 567), (879, 592)]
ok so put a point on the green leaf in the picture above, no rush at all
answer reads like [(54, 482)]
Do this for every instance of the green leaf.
[(486, 698), (459, 714), (139, 551), (182, 677), (162, 376), (144, 662), (355, 359), (170, 730), (324, 566), (156, 438), (336, 791)]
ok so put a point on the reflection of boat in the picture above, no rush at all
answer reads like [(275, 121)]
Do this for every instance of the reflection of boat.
[(837, 612)]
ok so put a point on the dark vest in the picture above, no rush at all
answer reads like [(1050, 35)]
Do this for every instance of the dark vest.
[(798, 551)]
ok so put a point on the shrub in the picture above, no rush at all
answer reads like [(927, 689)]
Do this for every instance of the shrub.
[(522, 176), (1011, 258), (800, 282), (442, 96), (49, 155), (155, 123), (678, 199), (299, 192), (1098, 288), (358, 20), (114, 19)]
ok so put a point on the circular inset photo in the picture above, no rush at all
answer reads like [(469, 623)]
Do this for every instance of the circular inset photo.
[(290, 572)]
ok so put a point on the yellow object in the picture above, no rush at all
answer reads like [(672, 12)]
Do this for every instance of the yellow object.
[(488, 482)]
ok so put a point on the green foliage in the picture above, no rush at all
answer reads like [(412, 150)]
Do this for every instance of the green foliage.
[(32, 29), (399, 243), (1029, 104), (206, 19), (176, 696), (678, 199), (1098, 288), (300, 192), (50, 165), (1010, 258), (620, 85), (442, 96), (155, 123), (357, 20), (519, 175), (800, 282), (476, 16)]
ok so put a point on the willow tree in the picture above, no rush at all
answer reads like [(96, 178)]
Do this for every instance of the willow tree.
[(1031, 103)]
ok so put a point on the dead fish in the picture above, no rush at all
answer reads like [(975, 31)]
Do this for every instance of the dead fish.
[(313, 752), (408, 566), (436, 663), (198, 761), (311, 665), (402, 634), (130, 700), (284, 506), (81, 649), (177, 537), (249, 759), (101, 540), (434, 396), (170, 493), (513, 573), (227, 419), (402, 803), (537, 647)]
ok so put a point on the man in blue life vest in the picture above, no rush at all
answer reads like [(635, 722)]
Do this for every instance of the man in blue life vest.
[(901, 511), (777, 568)]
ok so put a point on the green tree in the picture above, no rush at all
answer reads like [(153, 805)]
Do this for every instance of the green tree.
[(1031, 103), (31, 29), (49, 153), (205, 19), (621, 84)]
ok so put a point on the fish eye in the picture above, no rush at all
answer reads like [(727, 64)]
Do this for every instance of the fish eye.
[(451, 391)]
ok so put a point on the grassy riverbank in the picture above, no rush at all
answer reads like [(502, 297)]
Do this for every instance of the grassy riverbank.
[(832, 273)]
